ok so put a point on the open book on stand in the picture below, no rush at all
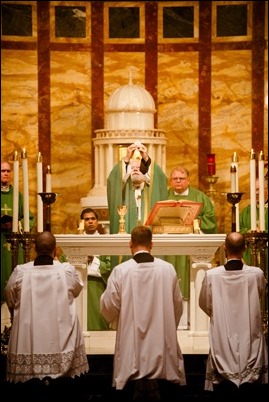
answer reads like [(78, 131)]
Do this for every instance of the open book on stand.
[(170, 216)]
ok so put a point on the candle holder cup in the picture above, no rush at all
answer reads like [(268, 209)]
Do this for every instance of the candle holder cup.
[(234, 198), (48, 199)]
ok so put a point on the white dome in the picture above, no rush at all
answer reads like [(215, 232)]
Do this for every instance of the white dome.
[(130, 107), (131, 97)]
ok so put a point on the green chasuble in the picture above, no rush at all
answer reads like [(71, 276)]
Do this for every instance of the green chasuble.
[(245, 226), (120, 193), (6, 257), (208, 224)]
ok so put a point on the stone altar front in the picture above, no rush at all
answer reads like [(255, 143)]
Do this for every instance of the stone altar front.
[(201, 248)]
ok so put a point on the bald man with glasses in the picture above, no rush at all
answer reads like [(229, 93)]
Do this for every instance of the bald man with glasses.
[(180, 189)]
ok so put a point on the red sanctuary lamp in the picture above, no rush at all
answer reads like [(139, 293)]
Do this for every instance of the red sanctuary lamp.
[(211, 164), (211, 179)]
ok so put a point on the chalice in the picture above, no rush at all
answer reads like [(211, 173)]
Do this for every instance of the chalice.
[(122, 211)]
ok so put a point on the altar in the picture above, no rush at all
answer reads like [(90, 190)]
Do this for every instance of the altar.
[(201, 248)]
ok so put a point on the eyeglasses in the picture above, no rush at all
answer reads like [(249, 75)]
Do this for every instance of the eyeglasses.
[(178, 178)]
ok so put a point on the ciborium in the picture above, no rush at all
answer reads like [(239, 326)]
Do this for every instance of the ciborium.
[(122, 211)]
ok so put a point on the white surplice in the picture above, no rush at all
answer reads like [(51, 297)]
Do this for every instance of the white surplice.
[(46, 338), (146, 300), (238, 348)]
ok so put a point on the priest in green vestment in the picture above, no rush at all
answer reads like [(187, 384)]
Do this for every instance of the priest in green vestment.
[(137, 182), (180, 189), (6, 224)]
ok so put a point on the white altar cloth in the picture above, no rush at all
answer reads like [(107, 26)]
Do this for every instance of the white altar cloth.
[(200, 247)]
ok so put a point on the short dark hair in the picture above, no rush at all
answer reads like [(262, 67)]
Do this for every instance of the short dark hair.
[(86, 211), (235, 243), (141, 236), (45, 243)]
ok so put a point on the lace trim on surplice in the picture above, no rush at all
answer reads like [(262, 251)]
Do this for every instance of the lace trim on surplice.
[(25, 367)]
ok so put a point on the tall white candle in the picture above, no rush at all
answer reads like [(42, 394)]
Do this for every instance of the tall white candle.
[(235, 163), (233, 178), (261, 192), (25, 180), (15, 220), (39, 175), (48, 180), (253, 224)]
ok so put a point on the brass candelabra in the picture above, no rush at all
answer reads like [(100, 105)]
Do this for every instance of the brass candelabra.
[(15, 239), (258, 244)]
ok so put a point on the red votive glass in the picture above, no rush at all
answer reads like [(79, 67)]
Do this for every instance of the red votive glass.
[(211, 164)]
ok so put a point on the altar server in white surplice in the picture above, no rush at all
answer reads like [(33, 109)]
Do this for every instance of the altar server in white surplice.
[(231, 296), (144, 297), (45, 339)]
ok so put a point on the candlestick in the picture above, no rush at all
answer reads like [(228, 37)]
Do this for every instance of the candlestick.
[(48, 180), (211, 165), (234, 198), (253, 224), (15, 221), (261, 192), (48, 199), (39, 170), (26, 221), (235, 163)]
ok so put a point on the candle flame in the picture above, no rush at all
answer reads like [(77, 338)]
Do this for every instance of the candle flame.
[(39, 157), (261, 156), (15, 156), (23, 153), (252, 154), (48, 169), (234, 157)]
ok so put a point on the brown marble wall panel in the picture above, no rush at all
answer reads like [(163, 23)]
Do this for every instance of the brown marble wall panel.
[(71, 145), (19, 112), (178, 109), (231, 124)]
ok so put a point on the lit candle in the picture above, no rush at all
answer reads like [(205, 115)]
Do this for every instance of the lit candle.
[(253, 224), (48, 180), (26, 225), (211, 165), (235, 163), (39, 176), (233, 178), (261, 192), (15, 221)]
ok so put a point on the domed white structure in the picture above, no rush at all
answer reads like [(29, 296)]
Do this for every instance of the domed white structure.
[(130, 107)]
